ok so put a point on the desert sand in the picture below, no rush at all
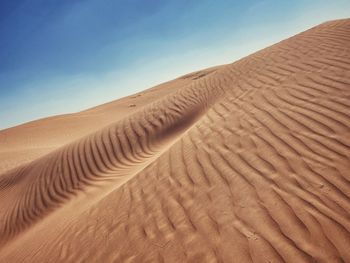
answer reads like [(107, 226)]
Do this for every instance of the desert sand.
[(245, 162)]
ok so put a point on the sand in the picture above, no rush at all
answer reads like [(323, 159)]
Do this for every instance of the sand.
[(245, 162)]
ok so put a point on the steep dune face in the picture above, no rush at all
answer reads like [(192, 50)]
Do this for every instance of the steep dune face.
[(248, 162), (25, 143), (114, 152)]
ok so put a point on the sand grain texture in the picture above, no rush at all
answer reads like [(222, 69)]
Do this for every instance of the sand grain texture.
[(246, 162)]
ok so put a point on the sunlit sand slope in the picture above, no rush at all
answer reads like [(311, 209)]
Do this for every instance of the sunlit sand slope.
[(247, 162)]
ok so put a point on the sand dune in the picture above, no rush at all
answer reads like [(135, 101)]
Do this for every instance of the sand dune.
[(246, 162)]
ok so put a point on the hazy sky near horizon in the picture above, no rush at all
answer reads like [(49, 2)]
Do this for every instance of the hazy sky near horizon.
[(61, 56)]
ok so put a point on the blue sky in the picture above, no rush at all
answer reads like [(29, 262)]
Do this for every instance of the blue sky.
[(61, 56)]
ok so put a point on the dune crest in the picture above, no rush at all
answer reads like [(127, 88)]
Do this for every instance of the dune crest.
[(246, 162), (112, 153)]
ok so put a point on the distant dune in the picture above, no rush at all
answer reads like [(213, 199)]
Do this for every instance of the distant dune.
[(245, 162)]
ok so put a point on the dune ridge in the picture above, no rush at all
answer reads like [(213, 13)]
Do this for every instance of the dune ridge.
[(248, 162), (113, 152)]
